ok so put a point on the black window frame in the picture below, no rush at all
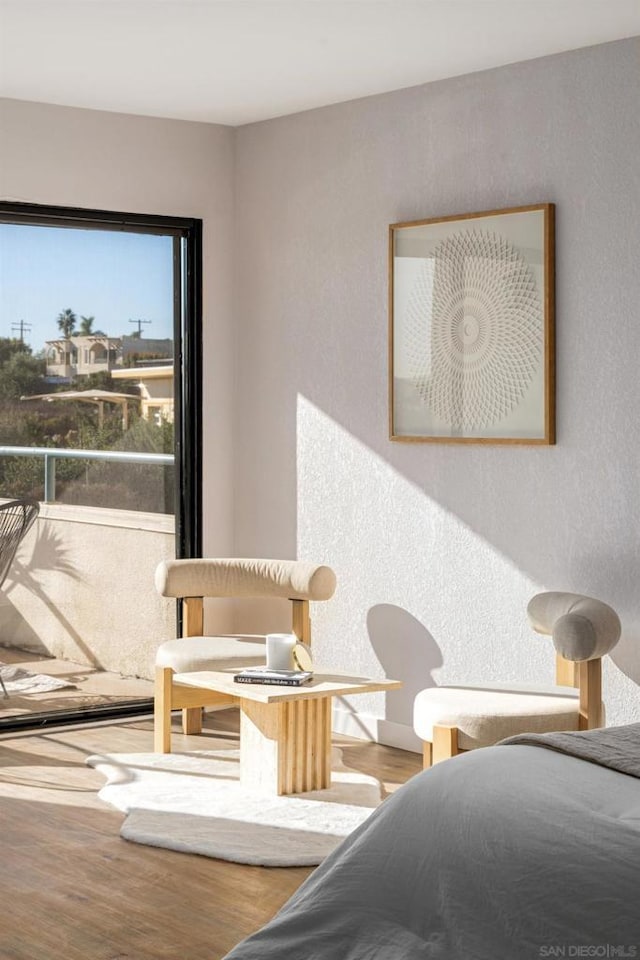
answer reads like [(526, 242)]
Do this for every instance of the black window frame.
[(187, 336)]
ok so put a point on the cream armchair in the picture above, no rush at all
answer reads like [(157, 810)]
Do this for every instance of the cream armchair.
[(450, 720), (192, 581)]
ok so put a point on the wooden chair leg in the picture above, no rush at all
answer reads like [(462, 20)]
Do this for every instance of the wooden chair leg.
[(445, 743), (192, 720), (426, 754), (590, 684), (192, 626), (300, 622), (162, 710)]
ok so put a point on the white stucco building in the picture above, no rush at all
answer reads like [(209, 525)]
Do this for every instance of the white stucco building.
[(156, 390)]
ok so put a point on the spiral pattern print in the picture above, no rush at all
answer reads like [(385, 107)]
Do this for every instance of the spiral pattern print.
[(474, 330)]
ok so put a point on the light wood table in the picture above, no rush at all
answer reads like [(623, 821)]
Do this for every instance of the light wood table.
[(285, 732)]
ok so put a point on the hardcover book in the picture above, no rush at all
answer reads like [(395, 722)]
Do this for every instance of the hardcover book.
[(291, 678)]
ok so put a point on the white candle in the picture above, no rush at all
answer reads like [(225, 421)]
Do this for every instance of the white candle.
[(280, 651)]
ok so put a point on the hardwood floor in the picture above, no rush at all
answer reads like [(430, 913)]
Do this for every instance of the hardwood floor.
[(72, 889)]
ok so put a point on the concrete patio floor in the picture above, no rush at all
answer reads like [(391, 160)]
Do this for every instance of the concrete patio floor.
[(91, 686)]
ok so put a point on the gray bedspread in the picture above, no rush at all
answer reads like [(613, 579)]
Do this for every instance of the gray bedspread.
[(615, 747), (507, 853)]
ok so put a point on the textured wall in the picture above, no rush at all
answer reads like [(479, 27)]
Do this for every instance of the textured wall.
[(438, 548)]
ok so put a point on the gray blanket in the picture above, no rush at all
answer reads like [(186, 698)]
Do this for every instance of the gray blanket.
[(615, 747), (507, 853)]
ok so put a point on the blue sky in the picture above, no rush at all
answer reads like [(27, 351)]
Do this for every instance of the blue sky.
[(113, 276)]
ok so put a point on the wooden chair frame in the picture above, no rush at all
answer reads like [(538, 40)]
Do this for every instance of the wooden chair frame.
[(169, 696), (586, 676)]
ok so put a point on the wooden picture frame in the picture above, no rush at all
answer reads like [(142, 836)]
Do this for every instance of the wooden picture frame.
[(471, 328)]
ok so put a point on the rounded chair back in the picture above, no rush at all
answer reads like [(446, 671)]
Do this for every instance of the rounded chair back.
[(581, 628)]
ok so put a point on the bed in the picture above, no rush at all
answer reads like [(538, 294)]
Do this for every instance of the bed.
[(527, 849)]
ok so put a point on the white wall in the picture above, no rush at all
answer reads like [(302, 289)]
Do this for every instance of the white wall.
[(438, 548)]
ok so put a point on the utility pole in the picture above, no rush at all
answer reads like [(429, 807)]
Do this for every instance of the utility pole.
[(22, 327), (140, 322)]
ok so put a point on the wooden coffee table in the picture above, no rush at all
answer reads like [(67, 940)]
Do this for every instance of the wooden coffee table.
[(285, 732)]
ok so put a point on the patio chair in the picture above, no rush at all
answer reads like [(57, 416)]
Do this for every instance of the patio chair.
[(16, 518)]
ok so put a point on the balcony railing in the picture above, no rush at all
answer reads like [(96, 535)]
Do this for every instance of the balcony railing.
[(51, 454), (81, 589)]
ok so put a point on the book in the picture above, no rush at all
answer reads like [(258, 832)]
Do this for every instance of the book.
[(264, 671), (291, 678)]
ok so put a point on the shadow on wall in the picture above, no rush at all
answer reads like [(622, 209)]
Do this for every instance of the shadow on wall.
[(407, 652), (48, 554), (16, 631)]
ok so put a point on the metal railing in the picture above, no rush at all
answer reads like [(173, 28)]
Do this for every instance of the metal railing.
[(51, 454)]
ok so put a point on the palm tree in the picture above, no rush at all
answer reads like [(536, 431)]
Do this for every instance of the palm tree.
[(86, 326), (67, 322)]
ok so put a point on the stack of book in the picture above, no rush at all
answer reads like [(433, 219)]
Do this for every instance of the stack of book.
[(288, 678)]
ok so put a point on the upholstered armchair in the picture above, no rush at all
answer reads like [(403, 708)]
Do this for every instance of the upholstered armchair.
[(193, 580), (450, 720)]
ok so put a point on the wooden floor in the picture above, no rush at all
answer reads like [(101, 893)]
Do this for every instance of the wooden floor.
[(72, 889)]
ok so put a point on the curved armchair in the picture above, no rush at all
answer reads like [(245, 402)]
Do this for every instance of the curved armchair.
[(191, 581), (450, 720), (16, 518)]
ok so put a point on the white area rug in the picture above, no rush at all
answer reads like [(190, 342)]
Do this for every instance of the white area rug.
[(193, 802), (21, 682)]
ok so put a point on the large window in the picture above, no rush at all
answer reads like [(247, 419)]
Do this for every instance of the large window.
[(100, 413)]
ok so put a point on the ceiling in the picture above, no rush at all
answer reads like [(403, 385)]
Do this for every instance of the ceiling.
[(239, 61)]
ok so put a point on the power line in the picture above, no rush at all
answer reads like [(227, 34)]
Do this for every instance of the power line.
[(140, 322), (22, 327)]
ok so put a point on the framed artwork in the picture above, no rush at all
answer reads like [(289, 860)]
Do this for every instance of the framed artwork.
[(471, 328)]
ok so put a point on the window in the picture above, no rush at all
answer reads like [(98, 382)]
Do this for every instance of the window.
[(77, 405)]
